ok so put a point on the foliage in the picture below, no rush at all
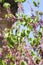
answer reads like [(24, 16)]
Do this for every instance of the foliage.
[(19, 0), (6, 5), (23, 63), (0, 1), (15, 37), (26, 30)]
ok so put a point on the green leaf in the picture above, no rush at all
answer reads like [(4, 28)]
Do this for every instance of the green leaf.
[(24, 23), (0, 1), (10, 43), (36, 59), (32, 53), (23, 33), (23, 63), (19, 0), (34, 3), (40, 13), (1, 62), (6, 5)]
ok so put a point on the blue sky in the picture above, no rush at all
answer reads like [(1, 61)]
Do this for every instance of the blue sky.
[(27, 8)]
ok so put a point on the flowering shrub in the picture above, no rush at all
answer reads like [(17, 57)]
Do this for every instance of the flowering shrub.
[(23, 43)]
